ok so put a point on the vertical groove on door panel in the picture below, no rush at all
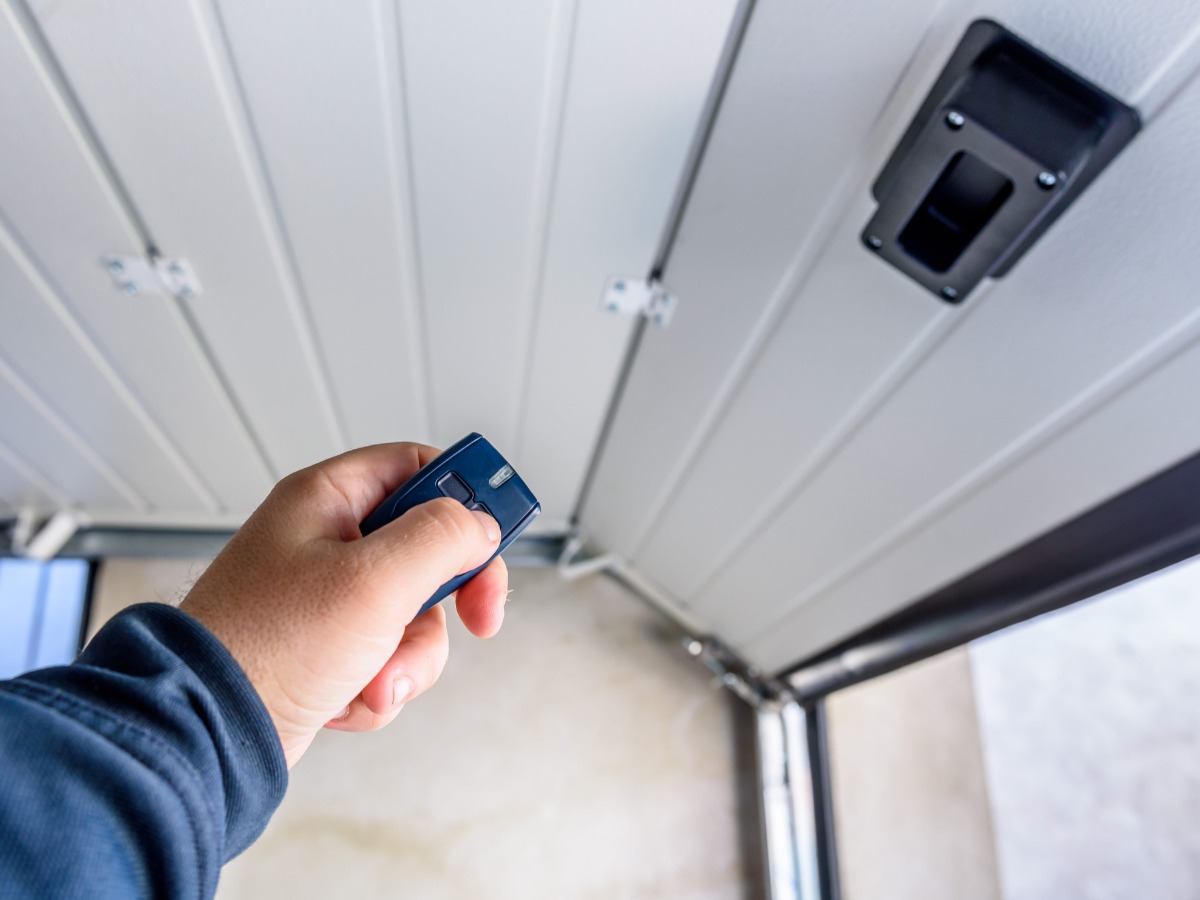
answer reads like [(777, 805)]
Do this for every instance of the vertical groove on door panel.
[(555, 90), (60, 425), (401, 179), (71, 324), (474, 75), (211, 30)]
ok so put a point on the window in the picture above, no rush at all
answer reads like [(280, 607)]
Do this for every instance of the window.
[(42, 612)]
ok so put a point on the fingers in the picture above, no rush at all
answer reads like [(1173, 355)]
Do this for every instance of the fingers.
[(423, 549), (365, 477), (411, 670), (480, 602)]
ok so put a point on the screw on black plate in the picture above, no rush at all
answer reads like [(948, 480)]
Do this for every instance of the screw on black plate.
[(1047, 180), (873, 241), (949, 293), (955, 119)]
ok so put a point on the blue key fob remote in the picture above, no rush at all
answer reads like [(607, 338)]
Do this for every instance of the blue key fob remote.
[(475, 474)]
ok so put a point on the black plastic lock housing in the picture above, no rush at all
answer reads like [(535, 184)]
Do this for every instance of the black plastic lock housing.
[(1005, 141)]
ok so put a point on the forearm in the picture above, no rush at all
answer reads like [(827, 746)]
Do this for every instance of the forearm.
[(138, 770)]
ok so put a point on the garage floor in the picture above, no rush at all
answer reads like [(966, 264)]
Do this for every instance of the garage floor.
[(580, 753)]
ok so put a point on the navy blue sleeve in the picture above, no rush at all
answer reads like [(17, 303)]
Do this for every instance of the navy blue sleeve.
[(138, 770)]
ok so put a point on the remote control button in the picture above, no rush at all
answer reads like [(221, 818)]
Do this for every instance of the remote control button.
[(455, 488)]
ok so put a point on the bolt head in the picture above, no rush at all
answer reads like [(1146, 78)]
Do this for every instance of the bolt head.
[(874, 241), (950, 293), (695, 648), (611, 306), (955, 120), (185, 293), (116, 267), (1047, 180), (130, 288), (618, 286)]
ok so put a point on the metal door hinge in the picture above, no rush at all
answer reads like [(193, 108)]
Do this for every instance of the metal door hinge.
[(733, 673), (649, 297), (135, 275)]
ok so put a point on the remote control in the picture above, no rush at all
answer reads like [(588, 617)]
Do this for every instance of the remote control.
[(475, 474)]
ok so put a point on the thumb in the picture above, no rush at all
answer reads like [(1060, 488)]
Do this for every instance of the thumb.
[(421, 550)]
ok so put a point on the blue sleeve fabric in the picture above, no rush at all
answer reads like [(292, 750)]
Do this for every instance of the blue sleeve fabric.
[(138, 770)]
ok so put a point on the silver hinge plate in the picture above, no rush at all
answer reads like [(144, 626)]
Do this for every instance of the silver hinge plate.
[(134, 275), (632, 296)]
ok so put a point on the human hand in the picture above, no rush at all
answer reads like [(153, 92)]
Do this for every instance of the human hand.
[(321, 618)]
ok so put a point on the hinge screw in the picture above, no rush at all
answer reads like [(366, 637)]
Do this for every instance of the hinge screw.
[(1047, 180), (874, 241), (130, 288), (116, 267), (949, 293), (955, 120)]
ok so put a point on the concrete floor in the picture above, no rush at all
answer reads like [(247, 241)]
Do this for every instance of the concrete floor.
[(579, 754)]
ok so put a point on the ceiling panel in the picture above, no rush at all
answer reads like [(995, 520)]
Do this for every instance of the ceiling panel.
[(172, 118), (20, 485), (638, 76), (402, 215), (61, 463), (977, 402), (122, 362), (747, 242), (481, 114), (45, 354), (793, 455), (338, 166)]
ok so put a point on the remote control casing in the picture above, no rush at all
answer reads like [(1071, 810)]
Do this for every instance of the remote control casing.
[(467, 472)]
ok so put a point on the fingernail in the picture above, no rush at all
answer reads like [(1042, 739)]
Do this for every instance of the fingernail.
[(490, 525), (345, 712), (401, 689)]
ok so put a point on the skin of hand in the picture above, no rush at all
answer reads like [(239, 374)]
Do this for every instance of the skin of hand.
[(320, 618)]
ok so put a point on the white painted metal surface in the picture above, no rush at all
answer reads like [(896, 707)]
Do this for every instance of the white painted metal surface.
[(402, 214), (815, 441)]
